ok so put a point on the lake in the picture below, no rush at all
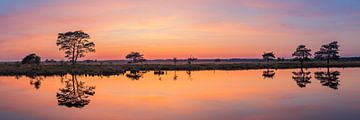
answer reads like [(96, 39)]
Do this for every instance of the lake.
[(296, 94)]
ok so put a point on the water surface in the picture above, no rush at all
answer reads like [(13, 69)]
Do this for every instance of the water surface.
[(186, 95)]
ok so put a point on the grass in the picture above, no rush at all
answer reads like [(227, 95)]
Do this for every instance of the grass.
[(13, 69)]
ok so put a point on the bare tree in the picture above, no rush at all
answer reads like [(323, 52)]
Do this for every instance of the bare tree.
[(75, 44), (302, 53)]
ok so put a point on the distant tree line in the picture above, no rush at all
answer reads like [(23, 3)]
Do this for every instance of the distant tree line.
[(327, 52), (76, 44)]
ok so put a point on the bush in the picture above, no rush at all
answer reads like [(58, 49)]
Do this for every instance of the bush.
[(31, 59)]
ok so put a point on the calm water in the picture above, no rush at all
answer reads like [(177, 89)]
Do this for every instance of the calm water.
[(182, 95)]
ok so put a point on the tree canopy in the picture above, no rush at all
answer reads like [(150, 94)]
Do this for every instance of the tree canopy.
[(191, 59), (75, 44), (328, 52), (135, 57), (268, 56), (302, 53), (31, 59)]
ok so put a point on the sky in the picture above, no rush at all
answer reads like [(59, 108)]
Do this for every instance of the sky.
[(163, 29)]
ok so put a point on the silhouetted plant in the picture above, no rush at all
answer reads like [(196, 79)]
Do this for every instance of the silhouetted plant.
[(35, 81), (31, 59), (175, 76), (159, 73), (217, 60), (302, 78), (268, 56), (302, 53), (175, 60), (189, 73), (75, 93), (75, 44), (191, 59), (50, 61), (328, 78), (135, 57), (135, 75), (328, 52), (268, 74)]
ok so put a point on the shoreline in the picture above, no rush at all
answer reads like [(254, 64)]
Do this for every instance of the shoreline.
[(15, 69)]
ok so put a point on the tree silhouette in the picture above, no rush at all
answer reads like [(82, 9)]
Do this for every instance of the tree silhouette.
[(175, 76), (268, 74), (175, 60), (75, 93), (159, 73), (135, 57), (35, 81), (328, 78), (302, 78), (189, 73), (31, 59), (75, 44), (268, 56), (135, 75), (191, 59), (328, 52), (302, 53)]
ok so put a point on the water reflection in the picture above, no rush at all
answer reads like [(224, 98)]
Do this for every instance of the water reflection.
[(188, 72), (75, 93), (268, 74), (237, 94), (175, 76), (135, 74), (159, 73), (302, 77), (35, 81), (328, 78)]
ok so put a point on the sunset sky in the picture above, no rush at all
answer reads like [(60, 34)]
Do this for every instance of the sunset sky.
[(179, 28)]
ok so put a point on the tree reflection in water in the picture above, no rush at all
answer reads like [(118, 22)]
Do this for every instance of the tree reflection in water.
[(75, 93), (188, 72), (328, 78), (302, 78), (36, 81), (175, 76), (135, 75), (268, 74), (159, 73)]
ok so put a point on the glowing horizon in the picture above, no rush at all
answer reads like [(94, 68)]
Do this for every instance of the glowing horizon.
[(166, 29)]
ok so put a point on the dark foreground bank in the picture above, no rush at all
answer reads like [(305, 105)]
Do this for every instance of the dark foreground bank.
[(10, 69)]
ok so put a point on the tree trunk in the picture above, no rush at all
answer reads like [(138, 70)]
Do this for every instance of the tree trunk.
[(328, 61), (73, 57)]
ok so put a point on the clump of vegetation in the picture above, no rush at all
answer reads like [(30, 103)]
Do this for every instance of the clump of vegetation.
[(328, 52), (268, 56), (135, 57), (191, 59), (302, 54), (31, 59), (175, 60), (75, 44)]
